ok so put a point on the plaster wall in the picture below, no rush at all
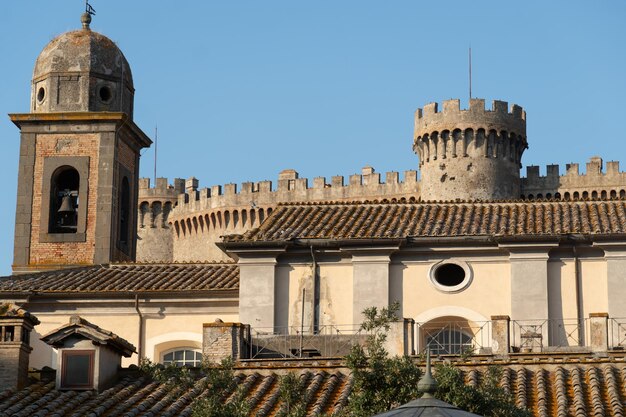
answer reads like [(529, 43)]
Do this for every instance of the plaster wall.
[(488, 294), (594, 286), (179, 329), (562, 289), (335, 295)]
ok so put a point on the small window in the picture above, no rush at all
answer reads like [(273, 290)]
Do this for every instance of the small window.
[(125, 212), (450, 276), (105, 94), (183, 357), (41, 94), (77, 369), (8, 333)]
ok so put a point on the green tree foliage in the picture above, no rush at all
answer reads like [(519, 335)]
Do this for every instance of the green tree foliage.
[(487, 399), (292, 393), (221, 396), (382, 382)]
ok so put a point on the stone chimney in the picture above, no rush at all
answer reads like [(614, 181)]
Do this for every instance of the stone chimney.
[(15, 327), (224, 340)]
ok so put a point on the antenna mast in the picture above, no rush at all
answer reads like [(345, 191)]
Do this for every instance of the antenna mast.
[(156, 136), (470, 72)]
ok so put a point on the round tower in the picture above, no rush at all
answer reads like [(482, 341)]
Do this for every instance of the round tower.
[(472, 154)]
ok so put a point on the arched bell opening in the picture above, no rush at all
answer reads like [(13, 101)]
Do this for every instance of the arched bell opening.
[(64, 201)]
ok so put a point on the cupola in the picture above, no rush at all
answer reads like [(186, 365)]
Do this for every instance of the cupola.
[(80, 71)]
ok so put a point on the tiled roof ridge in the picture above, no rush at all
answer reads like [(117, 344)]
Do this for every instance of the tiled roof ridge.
[(414, 201), (161, 263)]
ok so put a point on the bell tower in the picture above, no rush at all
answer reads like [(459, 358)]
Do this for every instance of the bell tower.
[(79, 157)]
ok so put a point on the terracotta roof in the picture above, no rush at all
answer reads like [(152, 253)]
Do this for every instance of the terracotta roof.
[(128, 277), (357, 220), (562, 389), (10, 310), (82, 327), (139, 396)]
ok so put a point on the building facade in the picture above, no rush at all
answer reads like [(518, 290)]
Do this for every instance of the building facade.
[(477, 258)]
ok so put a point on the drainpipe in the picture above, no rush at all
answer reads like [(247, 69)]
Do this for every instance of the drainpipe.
[(316, 293), (579, 301), (140, 353)]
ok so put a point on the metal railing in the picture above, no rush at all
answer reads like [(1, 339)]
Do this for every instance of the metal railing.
[(292, 342), (454, 337), (617, 333), (549, 335)]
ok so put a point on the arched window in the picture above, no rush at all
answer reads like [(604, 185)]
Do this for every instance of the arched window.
[(180, 357), (125, 212), (64, 185), (449, 336)]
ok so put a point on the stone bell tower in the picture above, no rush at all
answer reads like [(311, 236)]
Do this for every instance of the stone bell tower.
[(79, 157), (472, 154)]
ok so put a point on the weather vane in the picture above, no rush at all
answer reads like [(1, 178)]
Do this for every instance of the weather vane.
[(88, 9)]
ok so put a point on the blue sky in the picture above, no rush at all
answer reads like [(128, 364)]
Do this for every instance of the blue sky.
[(243, 89)]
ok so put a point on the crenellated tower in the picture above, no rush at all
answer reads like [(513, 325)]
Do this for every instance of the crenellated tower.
[(154, 232), (472, 154)]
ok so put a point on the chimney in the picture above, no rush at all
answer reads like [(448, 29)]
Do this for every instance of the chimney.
[(15, 327)]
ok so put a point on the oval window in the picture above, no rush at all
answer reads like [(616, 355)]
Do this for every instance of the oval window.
[(41, 94), (105, 94), (450, 276)]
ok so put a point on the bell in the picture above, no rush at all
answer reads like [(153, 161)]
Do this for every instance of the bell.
[(66, 205)]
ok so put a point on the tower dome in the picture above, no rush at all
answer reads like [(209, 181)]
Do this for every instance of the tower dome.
[(81, 71)]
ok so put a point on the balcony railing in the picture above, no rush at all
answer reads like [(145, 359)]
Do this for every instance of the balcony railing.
[(498, 336), (293, 342), (549, 335)]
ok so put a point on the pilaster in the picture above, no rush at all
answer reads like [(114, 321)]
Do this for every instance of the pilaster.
[(529, 288), (370, 279), (615, 256), (257, 288)]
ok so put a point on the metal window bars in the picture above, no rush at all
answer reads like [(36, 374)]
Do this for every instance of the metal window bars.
[(454, 337)]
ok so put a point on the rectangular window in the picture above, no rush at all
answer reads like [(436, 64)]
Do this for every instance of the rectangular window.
[(77, 369)]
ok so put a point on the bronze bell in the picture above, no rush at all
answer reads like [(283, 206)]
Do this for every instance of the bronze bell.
[(66, 205)]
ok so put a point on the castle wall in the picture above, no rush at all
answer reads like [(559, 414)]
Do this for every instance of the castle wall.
[(200, 217), (155, 241), (595, 183)]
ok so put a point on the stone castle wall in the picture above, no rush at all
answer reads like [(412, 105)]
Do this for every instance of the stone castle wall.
[(472, 154), (155, 241), (593, 184), (199, 217)]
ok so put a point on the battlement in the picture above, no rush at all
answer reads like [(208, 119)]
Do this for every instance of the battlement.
[(500, 118), (290, 187), (594, 182), (161, 190)]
